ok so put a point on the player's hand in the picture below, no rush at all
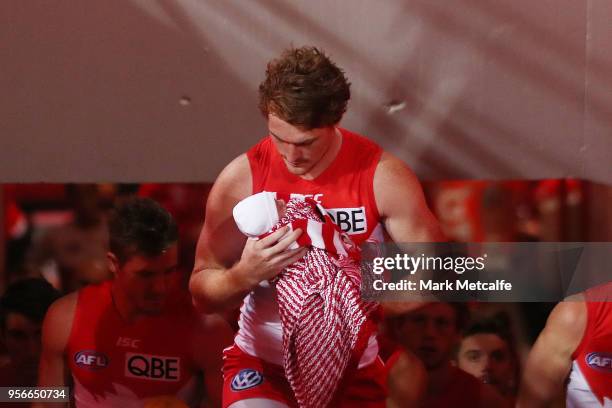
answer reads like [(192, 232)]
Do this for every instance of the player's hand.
[(265, 258)]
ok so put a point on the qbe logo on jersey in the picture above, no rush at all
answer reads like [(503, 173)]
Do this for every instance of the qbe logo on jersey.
[(350, 220), (150, 367)]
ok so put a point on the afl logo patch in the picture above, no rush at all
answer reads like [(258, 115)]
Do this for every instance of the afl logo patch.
[(600, 361), (246, 379), (90, 359)]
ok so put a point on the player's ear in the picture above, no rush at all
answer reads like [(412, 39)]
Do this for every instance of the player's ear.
[(113, 263)]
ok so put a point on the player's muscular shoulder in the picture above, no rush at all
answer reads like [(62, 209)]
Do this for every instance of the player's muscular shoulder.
[(58, 322), (221, 242), (567, 321), (233, 184), (399, 196), (235, 180), (393, 181), (401, 203)]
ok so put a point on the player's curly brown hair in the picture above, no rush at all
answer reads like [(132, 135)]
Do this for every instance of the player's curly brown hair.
[(304, 88)]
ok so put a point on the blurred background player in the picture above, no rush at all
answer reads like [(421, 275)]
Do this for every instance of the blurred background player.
[(22, 309), (73, 254), (431, 333), (136, 339), (487, 351)]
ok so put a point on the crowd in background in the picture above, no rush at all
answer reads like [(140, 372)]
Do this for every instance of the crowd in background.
[(56, 242)]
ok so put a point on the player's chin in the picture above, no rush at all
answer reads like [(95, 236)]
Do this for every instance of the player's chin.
[(153, 307), (431, 357), (295, 164), (298, 170)]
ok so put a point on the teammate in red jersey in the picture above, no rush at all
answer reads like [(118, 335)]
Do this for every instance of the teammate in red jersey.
[(306, 153), (135, 340), (577, 341)]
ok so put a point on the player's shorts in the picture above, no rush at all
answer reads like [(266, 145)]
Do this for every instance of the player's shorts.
[(245, 377)]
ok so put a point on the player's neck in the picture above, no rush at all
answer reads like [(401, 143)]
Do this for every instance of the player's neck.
[(327, 159), (122, 305), (439, 378)]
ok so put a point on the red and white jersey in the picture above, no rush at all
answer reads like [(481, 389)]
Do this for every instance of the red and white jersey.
[(345, 190), (591, 377), (119, 364)]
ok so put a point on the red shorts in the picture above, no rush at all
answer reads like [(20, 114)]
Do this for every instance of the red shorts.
[(245, 377)]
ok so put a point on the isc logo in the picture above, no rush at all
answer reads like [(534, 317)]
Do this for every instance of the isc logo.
[(149, 367), (90, 359), (128, 342), (316, 197)]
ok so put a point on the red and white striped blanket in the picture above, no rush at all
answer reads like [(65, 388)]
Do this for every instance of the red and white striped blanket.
[(326, 324)]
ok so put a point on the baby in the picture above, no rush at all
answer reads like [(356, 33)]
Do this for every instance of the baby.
[(319, 302), (261, 213), (258, 214)]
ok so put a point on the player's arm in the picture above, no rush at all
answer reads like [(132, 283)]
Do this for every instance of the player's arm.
[(401, 203), (52, 370), (227, 266), (406, 382), (550, 359), (212, 336), (406, 217)]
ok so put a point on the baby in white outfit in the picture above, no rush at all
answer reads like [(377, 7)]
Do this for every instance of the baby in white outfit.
[(257, 214)]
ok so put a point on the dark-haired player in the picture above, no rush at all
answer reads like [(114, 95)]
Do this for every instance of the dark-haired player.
[(487, 351), (135, 340)]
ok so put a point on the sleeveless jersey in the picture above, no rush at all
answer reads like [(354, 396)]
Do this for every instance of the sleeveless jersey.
[(346, 190), (591, 377), (464, 391), (119, 364)]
